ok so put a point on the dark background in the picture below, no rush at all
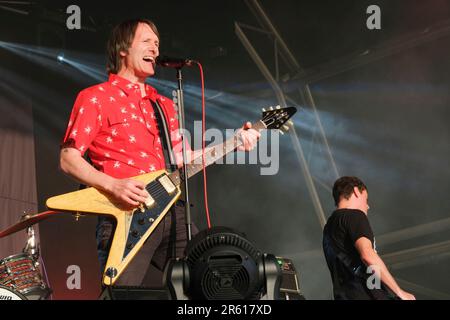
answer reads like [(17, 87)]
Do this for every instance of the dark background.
[(385, 121)]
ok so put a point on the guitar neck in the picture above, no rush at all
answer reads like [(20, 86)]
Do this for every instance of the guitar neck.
[(213, 154)]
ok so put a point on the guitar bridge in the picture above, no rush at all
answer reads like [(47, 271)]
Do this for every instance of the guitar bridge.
[(167, 184)]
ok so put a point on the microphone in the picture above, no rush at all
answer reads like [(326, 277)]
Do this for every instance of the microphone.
[(170, 62)]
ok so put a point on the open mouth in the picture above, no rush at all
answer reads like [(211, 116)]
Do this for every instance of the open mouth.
[(149, 59)]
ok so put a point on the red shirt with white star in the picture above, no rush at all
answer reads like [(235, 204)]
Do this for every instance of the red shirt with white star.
[(118, 128)]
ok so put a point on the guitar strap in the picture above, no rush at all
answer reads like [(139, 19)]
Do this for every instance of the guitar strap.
[(165, 137), (171, 165), (355, 270), (358, 271)]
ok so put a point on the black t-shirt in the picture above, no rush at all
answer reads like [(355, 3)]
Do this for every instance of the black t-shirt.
[(343, 229)]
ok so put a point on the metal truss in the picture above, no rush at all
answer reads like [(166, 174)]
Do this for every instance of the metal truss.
[(281, 50), (15, 6)]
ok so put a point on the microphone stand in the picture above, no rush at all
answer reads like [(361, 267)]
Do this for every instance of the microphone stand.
[(183, 175)]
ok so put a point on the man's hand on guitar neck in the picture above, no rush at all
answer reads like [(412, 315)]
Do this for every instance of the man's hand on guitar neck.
[(248, 136)]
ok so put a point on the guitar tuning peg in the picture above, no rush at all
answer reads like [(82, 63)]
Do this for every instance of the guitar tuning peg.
[(281, 131), (271, 108), (290, 123), (278, 107), (263, 109), (286, 128)]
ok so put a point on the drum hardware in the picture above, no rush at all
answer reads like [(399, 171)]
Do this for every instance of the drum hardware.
[(31, 248), (20, 273), (25, 216)]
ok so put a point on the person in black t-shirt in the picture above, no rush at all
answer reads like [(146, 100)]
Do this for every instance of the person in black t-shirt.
[(349, 248)]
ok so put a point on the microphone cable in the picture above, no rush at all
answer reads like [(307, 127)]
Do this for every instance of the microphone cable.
[(205, 185)]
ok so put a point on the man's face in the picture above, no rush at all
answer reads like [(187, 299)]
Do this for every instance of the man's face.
[(362, 199), (141, 56)]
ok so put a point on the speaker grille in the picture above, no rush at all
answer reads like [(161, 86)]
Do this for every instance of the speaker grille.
[(223, 266), (196, 250), (225, 282)]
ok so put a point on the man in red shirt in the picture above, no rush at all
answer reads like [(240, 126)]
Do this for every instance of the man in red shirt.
[(116, 123)]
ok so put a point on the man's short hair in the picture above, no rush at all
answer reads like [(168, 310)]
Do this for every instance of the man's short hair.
[(343, 188), (121, 39)]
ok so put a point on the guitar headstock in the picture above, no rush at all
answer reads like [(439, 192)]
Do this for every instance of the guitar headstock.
[(275, 118)]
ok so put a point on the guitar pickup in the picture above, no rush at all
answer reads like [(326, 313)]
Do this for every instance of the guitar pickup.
[(149, 202), (167, 184)]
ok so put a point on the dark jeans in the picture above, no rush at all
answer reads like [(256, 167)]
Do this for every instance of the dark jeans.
[(167, 241)]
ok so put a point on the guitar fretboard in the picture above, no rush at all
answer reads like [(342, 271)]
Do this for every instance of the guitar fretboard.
[(213, 154)]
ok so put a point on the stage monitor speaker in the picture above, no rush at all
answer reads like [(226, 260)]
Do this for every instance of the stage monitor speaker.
[(221, 264)]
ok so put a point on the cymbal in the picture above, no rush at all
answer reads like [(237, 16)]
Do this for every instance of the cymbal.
[(27, 221)]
